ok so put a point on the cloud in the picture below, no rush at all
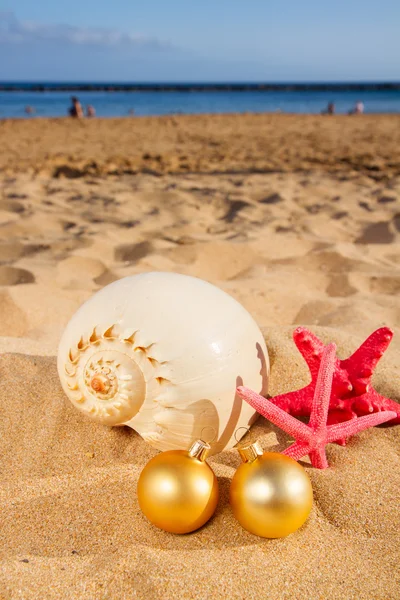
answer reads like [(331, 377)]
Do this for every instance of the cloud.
[(14, 31)]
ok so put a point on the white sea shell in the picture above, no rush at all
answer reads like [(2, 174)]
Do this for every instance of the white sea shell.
[(164, 353)]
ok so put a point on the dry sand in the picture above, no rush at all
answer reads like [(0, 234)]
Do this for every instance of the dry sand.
[(299, 219)]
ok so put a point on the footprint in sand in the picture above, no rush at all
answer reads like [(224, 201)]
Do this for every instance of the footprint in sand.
[(376, 233), (313, 312), (396, 221), (12, 206), (385, 285), (62, 248), (378, 284), (341, 214), (15, 276), (11, 251), (93, 217), (386, 199), (13, 196), (233, 258), (67, 225), (76, 198), (132, 252), (339, 286), (235, 206), (79, 272), (325, 260), (129, 224), (14, 322), (271, 199), (365, 206), (8, 217), (185, 253), (314, 209), (68, 172)]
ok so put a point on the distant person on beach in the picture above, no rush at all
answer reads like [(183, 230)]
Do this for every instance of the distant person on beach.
[(90, 111), (76, 108), (358, 109), (330, 109), (131, 111), (29, 110)]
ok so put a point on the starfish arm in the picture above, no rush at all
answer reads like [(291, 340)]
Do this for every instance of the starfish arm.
[(373, 402), (297, 450), (310, 347), (382, 403), (318, 458), (297, 403), (275, 414), (322, 394), (348, 428), (361, 364)]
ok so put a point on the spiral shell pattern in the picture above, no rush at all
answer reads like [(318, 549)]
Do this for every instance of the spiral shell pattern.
[(108, 375)]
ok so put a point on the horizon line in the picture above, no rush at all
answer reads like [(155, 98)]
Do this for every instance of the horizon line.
[(196, 86)]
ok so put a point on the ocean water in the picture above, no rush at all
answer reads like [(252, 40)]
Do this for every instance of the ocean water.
[(120, 103)]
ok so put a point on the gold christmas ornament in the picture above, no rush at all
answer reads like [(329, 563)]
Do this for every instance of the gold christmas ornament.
[(178, 490), (271, 494)]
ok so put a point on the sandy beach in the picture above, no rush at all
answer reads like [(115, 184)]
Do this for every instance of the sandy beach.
[(298, 218)]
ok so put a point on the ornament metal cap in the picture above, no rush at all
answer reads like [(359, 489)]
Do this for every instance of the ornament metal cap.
[(251, 452), (199, 449)]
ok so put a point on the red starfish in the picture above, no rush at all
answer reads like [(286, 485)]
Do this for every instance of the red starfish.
[(352, 393), (311, 439)]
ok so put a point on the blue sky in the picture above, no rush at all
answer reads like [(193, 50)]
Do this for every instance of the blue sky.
[(212, 40)]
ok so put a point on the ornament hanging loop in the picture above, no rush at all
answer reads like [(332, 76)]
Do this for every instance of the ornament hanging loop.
[(248, 451), (236, 432), (211, 430)]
